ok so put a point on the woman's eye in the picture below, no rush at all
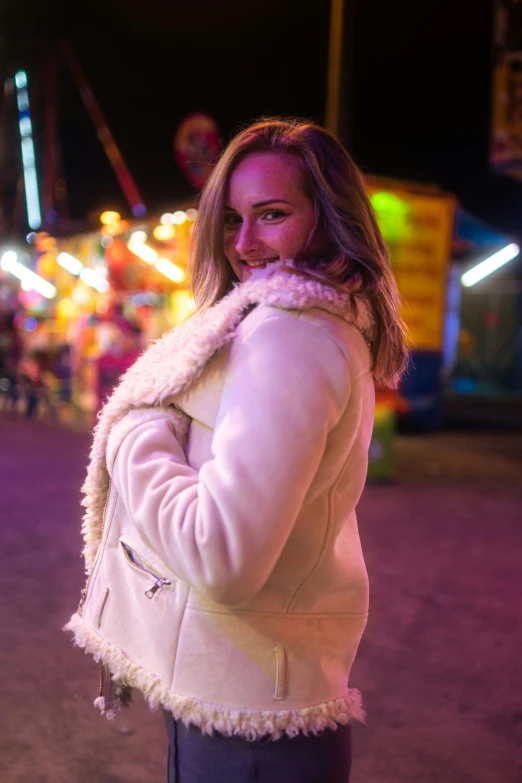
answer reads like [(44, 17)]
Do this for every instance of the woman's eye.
[(274, 214), (232, 220)]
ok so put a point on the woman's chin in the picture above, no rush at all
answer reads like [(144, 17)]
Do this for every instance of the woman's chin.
[(245, 273)]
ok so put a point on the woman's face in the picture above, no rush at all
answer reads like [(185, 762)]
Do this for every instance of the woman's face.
[(268, 216)]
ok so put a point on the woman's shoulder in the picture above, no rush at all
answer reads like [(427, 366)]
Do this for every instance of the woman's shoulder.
[(312, 328)]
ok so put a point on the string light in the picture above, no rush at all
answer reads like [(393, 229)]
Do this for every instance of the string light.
[(20, 80), (34, 217), (29, 279)]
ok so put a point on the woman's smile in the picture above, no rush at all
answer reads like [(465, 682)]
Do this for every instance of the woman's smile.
[(256, 264), (268, 217)]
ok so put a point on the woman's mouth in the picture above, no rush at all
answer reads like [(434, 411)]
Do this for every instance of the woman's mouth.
[(259, 264)]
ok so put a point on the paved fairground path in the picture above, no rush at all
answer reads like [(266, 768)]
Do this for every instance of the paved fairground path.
[(439, 665)]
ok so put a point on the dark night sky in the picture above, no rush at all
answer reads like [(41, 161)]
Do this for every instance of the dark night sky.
[(420, 86)]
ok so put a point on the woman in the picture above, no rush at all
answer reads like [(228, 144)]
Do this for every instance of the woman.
[(226, 578)]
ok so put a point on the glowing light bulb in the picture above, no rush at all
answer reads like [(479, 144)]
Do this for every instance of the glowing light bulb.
[(80, 295), (164, 232), (7, 260), (26, 127), (109, 217), (138, 210), (22, 100), (20, 80)]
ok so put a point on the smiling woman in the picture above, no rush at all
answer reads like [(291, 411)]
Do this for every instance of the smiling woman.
[(238, 448), (270, 217), (286, 189)]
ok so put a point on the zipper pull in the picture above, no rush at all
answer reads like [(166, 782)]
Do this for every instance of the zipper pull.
[(83, 595), (158, 584)]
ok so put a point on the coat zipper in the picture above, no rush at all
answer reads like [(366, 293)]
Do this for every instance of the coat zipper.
[(83, 593), (103, 676), (132, 556)]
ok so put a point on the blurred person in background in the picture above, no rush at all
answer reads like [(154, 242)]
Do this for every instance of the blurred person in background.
[(32, 386), (120, 351), (226, 577), (11, 349)]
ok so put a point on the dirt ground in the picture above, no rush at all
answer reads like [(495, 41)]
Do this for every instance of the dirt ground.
[(439, 665)]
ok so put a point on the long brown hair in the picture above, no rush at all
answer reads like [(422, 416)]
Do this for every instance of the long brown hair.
[(345, 242)]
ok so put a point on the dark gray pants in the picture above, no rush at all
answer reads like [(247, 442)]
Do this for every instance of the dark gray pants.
[(200, 758)]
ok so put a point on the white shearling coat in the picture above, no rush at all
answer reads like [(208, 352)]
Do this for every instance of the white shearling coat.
[(226, 578)]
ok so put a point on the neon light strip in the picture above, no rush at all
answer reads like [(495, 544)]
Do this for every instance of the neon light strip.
[(70, 263), (89, 276), (142, 250), (30, 280), (34, 217), (490, 265), (170, 270), (95, 281), (138, 246)]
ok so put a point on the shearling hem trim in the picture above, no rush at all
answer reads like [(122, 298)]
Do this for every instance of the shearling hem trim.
[(250, 724), (110, 712)]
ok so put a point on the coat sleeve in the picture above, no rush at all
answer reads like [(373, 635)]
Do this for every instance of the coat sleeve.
[(223, 529)]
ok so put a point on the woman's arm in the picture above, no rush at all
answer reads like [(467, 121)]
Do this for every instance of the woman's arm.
[(223, 530)]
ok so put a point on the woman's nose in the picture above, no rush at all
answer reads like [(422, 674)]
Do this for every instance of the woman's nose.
[(247, 241)]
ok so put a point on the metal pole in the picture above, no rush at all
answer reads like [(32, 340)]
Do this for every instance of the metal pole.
[(105, 136), (335, 57)]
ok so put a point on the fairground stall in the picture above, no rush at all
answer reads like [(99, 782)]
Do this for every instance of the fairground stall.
[(87, 304)]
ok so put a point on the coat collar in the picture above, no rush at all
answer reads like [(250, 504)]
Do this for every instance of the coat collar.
[(170, 365)]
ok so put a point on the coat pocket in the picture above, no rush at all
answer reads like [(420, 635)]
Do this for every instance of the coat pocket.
[(280, 673), (141, 565), (101, 607)]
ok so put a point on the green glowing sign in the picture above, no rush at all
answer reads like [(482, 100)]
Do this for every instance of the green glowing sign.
[(392, 215)]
